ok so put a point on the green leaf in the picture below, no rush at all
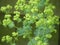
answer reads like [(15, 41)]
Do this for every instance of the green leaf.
[(11, 25)]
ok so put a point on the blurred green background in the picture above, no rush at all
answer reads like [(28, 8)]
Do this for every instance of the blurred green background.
[(4, 31)]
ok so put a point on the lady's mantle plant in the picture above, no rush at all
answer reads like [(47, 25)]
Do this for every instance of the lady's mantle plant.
[(36, 20)]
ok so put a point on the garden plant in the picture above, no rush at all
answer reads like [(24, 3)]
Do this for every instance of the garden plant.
[(31, 19)]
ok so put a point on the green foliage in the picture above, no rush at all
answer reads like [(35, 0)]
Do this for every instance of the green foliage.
[(37, 24)]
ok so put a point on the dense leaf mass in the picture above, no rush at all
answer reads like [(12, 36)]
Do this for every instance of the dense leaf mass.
[(38, 21)]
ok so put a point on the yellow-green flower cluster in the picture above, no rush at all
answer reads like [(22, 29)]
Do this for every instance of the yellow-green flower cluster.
[(6, 38), (7, 20), (14, 34), (17, 16), (9, 39), (6, 9)]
